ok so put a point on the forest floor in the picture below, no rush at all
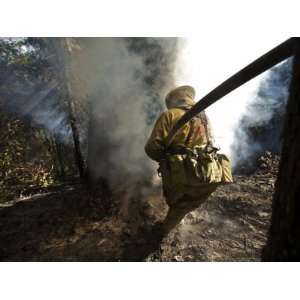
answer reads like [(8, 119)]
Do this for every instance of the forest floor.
[(71, 224)]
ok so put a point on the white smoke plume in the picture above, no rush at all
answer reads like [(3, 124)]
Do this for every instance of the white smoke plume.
[(207, 62), (260, 128), (121, 84)]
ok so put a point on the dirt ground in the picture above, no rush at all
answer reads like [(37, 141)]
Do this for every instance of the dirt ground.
[(72, 224)]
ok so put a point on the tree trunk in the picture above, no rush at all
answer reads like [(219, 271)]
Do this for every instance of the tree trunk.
[(60, 158), (72, 114), (75, 133), (284, 234)]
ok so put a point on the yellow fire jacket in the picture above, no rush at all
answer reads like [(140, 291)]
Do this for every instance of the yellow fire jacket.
[(156, 144)]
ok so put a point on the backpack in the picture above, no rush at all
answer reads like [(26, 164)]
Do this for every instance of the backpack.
[(199, 166)]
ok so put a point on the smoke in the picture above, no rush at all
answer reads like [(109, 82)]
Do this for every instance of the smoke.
[(26, 93), (207, 62), (117, 86), (40, 105), (122, 83), (125, 82), (260, 127)]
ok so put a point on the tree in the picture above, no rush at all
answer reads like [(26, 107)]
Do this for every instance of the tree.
[(34, 103), (284, 234), (66, 49)]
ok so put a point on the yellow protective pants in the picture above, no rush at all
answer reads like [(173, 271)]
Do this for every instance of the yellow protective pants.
[(182, 206)]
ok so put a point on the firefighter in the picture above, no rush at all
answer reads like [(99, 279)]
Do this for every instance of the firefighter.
[(182, 196)]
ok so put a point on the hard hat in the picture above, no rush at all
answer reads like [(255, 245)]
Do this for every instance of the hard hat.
[(185, 94)]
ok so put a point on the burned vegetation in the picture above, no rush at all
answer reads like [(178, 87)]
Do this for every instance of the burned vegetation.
[(72, 224), (74, 181)]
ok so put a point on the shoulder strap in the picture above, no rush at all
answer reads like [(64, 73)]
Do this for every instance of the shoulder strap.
[(188, 139), (191, 130)]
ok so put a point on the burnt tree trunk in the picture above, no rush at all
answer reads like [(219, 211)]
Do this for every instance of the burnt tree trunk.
[(75, 133), (60, 158), (284, 234), (62, 49), (71, 107)]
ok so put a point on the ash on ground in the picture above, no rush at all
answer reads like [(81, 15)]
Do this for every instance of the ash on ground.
[(66, 225), (232, 225)]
